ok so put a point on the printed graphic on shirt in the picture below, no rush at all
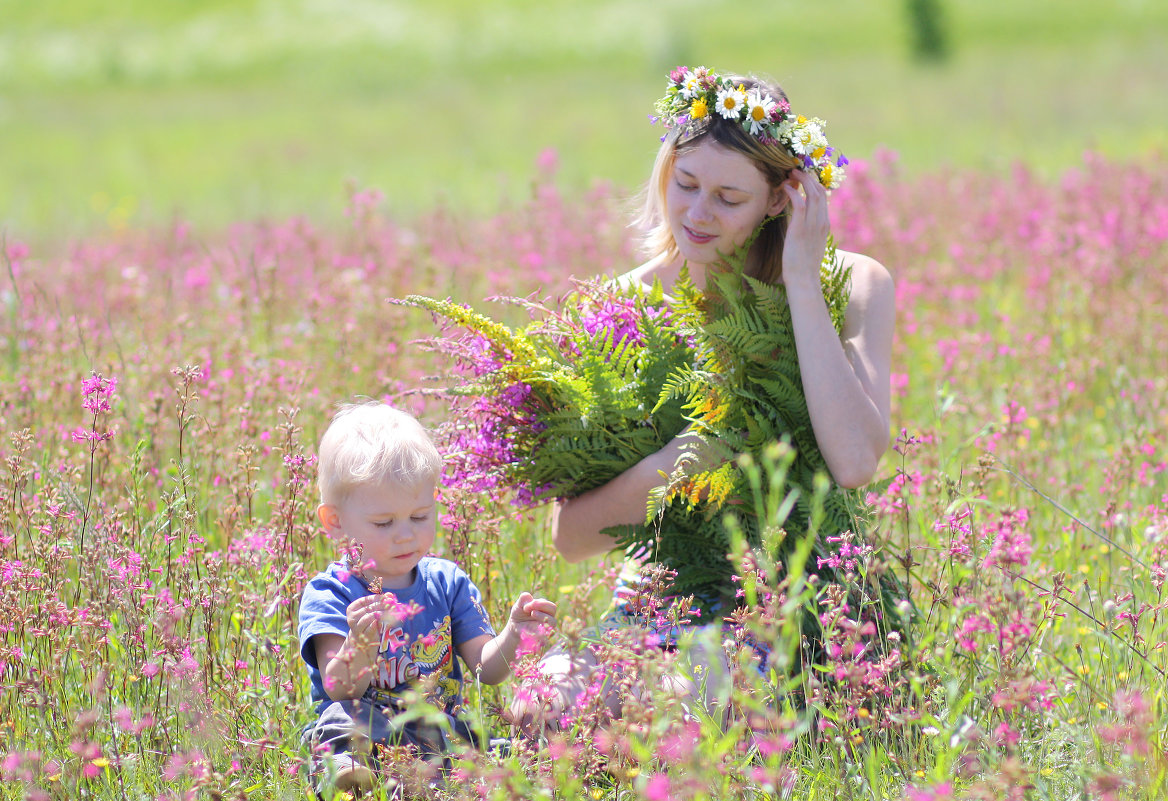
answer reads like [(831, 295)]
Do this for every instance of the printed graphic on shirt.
[(401, 662)]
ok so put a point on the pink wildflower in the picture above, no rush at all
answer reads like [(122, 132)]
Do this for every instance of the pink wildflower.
[(658, 788)]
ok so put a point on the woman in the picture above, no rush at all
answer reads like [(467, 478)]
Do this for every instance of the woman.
[(733, 158)]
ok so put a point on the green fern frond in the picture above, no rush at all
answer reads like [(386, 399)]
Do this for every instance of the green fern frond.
[(499, 335)]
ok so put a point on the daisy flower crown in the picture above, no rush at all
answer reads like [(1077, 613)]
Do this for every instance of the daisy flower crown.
[(693, 96)]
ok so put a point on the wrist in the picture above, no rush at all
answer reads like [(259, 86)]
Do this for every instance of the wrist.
[(508, 638), (356, 648), (801, 286)]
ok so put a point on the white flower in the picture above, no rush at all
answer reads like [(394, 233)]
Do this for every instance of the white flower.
[(689, 85), (785, 133), (758, 110), (731, 102), (806, 137)]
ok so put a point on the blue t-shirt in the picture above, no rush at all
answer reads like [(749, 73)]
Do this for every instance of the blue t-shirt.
[(450, 613)]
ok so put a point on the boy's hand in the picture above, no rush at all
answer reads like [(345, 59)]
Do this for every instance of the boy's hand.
[(529, 613), (364, 617), (527, 627)]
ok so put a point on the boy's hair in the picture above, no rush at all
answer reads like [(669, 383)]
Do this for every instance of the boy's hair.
[(372, 442)]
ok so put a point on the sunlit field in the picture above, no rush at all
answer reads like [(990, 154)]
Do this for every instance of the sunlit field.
[(207, 207), (129, 114), (164, 389)]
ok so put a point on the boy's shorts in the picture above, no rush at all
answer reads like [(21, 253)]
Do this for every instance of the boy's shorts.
[(358, 727)]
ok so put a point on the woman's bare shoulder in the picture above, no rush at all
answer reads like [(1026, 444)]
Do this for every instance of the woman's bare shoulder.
[(869, 277), (873, 294), (865, 269)]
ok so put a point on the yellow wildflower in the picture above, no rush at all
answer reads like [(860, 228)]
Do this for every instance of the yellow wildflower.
[(699, 109)]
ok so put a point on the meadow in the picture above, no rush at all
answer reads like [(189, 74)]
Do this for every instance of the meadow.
[(188, 288), (157, 522), (217, 111)]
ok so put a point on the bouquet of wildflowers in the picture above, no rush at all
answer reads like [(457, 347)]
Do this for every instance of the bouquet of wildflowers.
[(611, 375), (566, 403)]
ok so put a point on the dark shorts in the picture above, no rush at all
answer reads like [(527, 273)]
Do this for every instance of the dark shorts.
[(358, 727)]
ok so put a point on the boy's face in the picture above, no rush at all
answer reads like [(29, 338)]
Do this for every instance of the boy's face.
[(393, 523)]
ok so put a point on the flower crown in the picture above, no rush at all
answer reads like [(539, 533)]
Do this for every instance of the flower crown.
[(693, 95)]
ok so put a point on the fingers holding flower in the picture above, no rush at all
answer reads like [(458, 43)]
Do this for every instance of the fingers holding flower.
[(529, 611), (365, 616)]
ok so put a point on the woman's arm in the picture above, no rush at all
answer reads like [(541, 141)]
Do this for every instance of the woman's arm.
[(577, 522), (846, 376)]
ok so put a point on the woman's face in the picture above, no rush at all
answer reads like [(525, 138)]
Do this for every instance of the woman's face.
[(715, 200)]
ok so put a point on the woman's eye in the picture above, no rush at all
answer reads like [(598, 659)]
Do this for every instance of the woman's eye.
[(726, 202), (384, 523), (420, 518), (686, 187)]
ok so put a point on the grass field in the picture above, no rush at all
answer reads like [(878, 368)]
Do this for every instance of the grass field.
[(225, 111), (156, 523), (187, 287)]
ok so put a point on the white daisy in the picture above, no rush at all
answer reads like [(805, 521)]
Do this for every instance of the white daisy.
[(758, 110), (689, 85), (731, 102)]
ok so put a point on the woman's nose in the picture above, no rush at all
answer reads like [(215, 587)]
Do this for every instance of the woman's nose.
[(699, 210)]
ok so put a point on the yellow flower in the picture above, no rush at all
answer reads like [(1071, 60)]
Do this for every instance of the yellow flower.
[(800, 119), (825, 176), (100, 762), (758, 113), (818, 153), (699, 108)]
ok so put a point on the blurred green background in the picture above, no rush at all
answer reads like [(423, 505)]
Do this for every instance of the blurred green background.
[(131, 113)]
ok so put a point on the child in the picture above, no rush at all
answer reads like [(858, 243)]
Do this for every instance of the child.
[(375, 627)]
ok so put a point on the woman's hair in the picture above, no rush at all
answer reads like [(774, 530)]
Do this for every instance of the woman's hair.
[(774, 161), (372, 442)]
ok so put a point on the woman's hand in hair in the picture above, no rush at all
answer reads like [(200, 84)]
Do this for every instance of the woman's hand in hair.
[(808, 225)]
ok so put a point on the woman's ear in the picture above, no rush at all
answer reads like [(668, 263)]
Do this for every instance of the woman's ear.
[(329, 519), (778, 200)]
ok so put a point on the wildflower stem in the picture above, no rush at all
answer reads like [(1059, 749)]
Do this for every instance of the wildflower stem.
[(1086, 614), (1011, 472)]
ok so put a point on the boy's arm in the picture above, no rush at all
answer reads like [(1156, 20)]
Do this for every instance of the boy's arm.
[(491, 656), (347, 663)]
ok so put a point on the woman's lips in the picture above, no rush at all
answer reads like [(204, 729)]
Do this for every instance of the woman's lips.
[(697, 237)]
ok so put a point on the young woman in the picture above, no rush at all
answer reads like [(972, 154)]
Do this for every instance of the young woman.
[(733, 157)]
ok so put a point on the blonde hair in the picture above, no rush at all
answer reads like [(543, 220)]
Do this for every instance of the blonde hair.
[(372, 442), (773, 161)]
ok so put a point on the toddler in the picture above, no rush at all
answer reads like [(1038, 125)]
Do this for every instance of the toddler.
[(392, 619)]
